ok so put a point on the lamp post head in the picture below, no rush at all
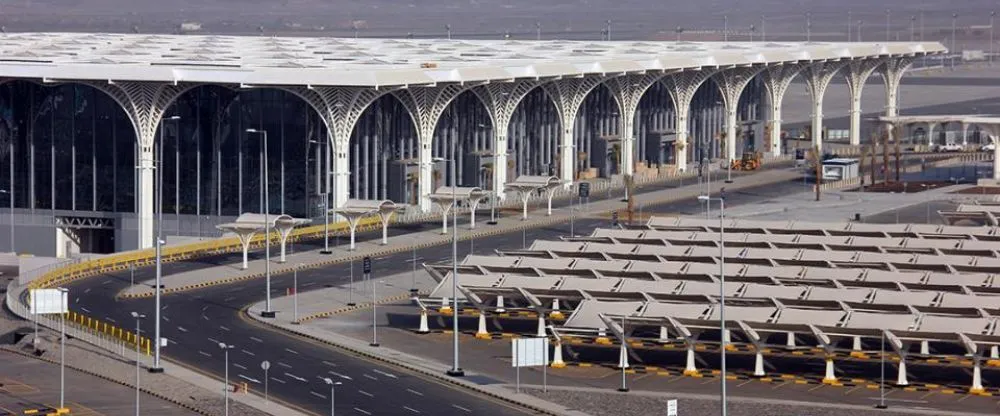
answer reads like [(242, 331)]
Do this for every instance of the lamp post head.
[(173, 118), (252, 131), (703, 198), (138, 315)]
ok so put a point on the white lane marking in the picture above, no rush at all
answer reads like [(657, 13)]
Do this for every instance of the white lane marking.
[(411, 409), (204, 307), (415, 392), (278, 380), (87, 291), (165, 307), (317, 394), (291, 351), (223, 328), (383, 373), (84, 309), (237, 289), (181, 328), (362, 411), (248, 353), (366, 393), (112, 320), (171, 341), (340, 375), (293, 376), (284, 365), (370, 376), (213, 340), (204, 317), (308, 284), (229, 299), (164, 318), (329, 364), (461, 408), (106, 282), (204, 353), (257, 339), (240, 366), (252, 380)]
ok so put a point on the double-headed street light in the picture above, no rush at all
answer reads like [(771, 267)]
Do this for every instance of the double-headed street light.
[(267, 312), (722, 291), (156, 368), (333, 390), (225, 349), (138, 355)]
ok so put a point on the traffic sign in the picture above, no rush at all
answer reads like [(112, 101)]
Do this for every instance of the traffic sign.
[(264, 365), (672, 407), (367, 264), (584, 189)]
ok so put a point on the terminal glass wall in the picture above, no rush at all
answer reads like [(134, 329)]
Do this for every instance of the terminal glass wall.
[(212, 166), (68, 146)]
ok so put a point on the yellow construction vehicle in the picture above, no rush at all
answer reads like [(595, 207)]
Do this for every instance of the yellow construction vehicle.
[(750, 161)]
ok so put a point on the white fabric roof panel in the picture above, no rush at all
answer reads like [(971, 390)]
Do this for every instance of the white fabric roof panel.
[(496, 261), (820, 273), (779, 272), (949, 324), (754, 290), (846, 295), (564, 246), (675, 310), (541, 263), (892, 297), (745, 313), (601, 265), (803, 316), (649, 286), (587, 312), (958, 300), (525, 282), (901, 277), (890, 321)]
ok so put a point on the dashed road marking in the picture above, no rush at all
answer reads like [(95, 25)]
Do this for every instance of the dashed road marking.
[(340, 375), (461, 408), (278, 380), (329, 364), (415, 392), (204, 353), (362, 411), (248, 353), (411, 409), (257, 339), (366, 393), (85, 310), (291, 351), (293, 376), (384, 373), (284, 365), (252, 380), (240, 366), (370, 376), (223, 328), (181, 328), (317, 394), (112, 320)]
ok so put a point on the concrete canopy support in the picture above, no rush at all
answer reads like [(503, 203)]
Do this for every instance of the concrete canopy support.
[(622, 356), (445, 207), (568, 95), (776, 80), (145, 104), (245, 238), (689, 367), (628, 91), (481, 332), (682, 86), (283, 232), (758, 364), (425, 184), (731, 83), (501, 100), (856, 75), (557, 357), (818, 76), (977, 377), (830, 377), (892, 74), (423, 328)]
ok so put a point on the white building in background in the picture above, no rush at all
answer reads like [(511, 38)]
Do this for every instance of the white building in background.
[(83, 116)]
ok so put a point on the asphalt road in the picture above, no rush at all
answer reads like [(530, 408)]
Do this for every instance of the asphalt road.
[(195, 322)]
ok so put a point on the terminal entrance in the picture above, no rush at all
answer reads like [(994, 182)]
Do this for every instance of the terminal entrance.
[(77, 235)]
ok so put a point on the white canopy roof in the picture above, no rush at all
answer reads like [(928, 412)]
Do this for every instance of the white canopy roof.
[(260, 60)]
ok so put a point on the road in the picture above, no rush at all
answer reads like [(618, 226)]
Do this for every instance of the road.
[(195, 322)]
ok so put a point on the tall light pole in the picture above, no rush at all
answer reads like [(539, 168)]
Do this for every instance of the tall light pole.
[(538, 31), (722, 291), (913, 24), (993, 16), (267, 312), (725, 28), (333, 390), (763, 29), (609, 29), (809, 25), (954, 24), (455, 370), (156, 368), (861, 24), (849, 29), (326, 224), (448, 28), (888, 22), (225, 350), (138, 319)]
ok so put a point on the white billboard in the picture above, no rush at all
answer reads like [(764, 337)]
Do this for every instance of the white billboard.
[(46, 301), (529, 352)]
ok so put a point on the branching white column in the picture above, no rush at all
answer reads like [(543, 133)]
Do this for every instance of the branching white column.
[(628, 91), (424, 181), (567, 95), (818, 76), (731, 84), (892, 73), (501, 100), (144, 103), (776, 80), (682, 87), (856, 75)]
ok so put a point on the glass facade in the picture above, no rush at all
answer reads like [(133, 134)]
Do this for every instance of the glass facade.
[(65, 147), (212, 166)]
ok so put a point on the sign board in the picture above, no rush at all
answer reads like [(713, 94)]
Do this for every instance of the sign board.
[(529, 352), (672, 407), (163, 342), (264, 365), (46, 301), (367, 264), (584, 189)]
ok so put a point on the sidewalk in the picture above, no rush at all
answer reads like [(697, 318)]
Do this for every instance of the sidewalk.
[(231, 272)]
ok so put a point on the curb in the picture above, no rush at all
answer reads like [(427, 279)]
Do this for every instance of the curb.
[(359, 306), (113, 380), (426, 373)]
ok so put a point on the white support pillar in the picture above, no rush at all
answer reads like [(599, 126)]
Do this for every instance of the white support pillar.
[(818, 76), (473, 206), (425, 181), (541, 326), (994, 352), (682, 86), (245, 239), (446, 207), (341, 174), (549, 193), (892, 73), (557, 356), (965, 134), (482, 333), (758, 364), (790, 341), (385, 218), (856, 345), (145, 198), (500, 308), (925, 348), (500, 168), (977, 378), (445, 306), (856, 75), (681, 142), (855, 129), (424, 328), (664, 334), (901, 375), (817, 122), (556, 313), (996, 159), (689, 368), (830, 377), (567, 158), (730, 132), (352, 223), (776, 80), (628, 144), (524, 195), (731, 83), (622, 356), (283, 233)]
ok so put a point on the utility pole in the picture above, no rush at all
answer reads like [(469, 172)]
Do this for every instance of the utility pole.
[(888, 20), (819, 169), (954, 24), (849, 25), (763, 29), (809, 27), (993, 16)]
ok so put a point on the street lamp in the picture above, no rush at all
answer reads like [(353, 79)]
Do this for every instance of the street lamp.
[(993, 16), (326, 224), (11, 195), (333, 390), (809, 26), (455, 370), (722, 291), (156, 368), (225, 348), (267, 312), (954, 23), (138, 318), (888, 22)]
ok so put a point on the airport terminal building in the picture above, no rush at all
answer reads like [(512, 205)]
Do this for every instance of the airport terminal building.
[(86, 120)]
